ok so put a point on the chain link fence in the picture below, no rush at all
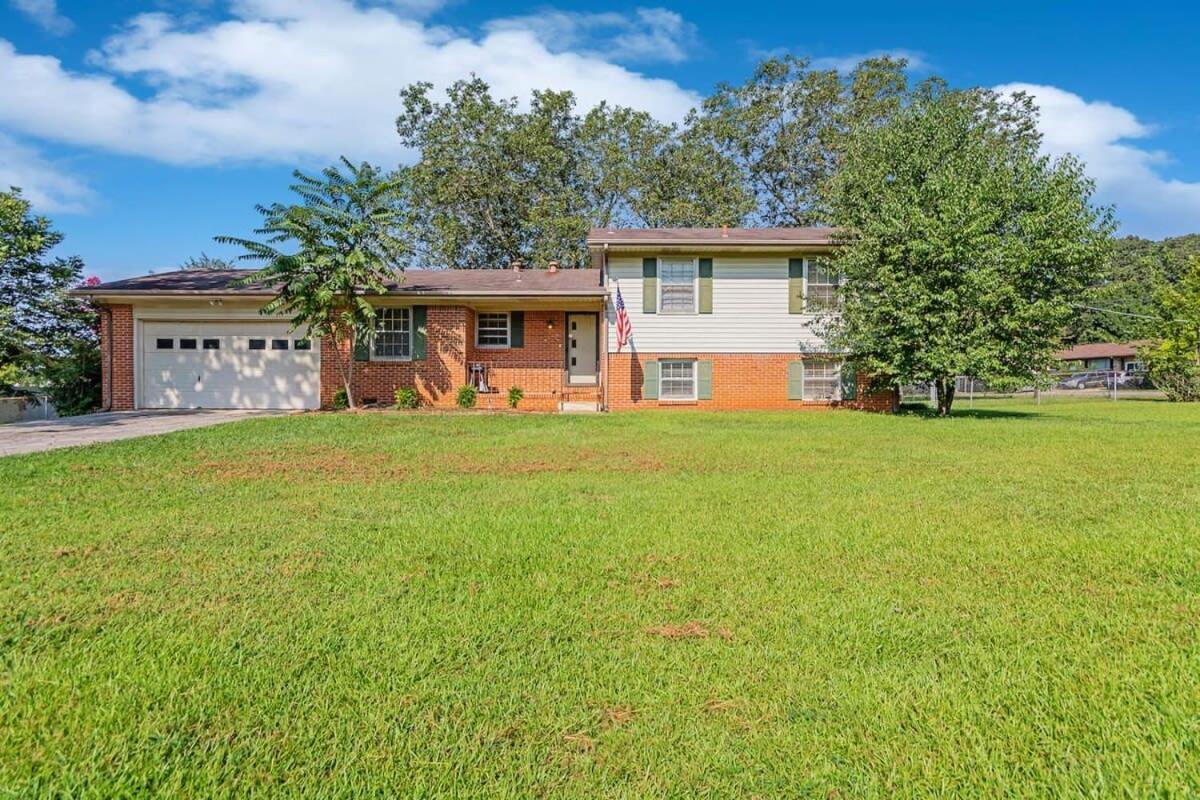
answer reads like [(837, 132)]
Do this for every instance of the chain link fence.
[(1066, 384)]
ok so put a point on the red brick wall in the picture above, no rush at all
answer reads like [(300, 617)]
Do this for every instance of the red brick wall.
[(739, 381), (116, 357), (436, 377), (536, 368)]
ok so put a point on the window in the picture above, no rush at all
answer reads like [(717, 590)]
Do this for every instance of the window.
[(164, 344), (258, 344), (820, 286), (303, 344), (279, 344), (1135, 366), (677, 380), (491, 330), (187, 344), (821, 378), (392, 333), (212, 344), (677, 286)]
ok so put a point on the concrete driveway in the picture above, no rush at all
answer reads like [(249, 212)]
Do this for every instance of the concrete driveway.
[(50, 434)]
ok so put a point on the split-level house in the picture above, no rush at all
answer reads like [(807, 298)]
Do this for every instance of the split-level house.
[(717, 318)]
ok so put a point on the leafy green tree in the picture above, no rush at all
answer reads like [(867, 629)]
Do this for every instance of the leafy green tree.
[(345, 240), (493, 183), (785, 129), (1173, 361), (39, 322), (964, 248), (1121, 301), (205, 261)]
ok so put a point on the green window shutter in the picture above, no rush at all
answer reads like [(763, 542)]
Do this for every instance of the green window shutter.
[(649, 380), (704, 380), (795, 379), (362, 348), (795, 285), (706, 285), (516, 329), (420, 336), (849, 382), (649, 285)]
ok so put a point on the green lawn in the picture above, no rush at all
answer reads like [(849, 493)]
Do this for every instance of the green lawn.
[(630, 605)]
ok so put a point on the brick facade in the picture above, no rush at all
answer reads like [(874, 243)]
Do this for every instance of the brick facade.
[(739, 381), (116, 358)]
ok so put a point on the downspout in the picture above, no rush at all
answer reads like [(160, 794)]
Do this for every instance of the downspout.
[(607, 353), (107, 385)]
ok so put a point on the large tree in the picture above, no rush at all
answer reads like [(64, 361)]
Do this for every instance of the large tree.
[(326, 255), (964, 247), (493, 183), (786, 129), (1174, 358), (39, 322)]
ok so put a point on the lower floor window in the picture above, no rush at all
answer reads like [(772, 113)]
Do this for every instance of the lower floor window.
[(821, 378), (677, 380)]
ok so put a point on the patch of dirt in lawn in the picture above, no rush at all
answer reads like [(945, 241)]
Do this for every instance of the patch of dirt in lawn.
[(580, 741), (555, 460), (689, 630), (616, 716), (331, 465)]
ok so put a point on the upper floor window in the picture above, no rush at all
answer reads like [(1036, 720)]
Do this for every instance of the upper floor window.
[(677, 286), (491, 329), (393, 333), (820, 286)]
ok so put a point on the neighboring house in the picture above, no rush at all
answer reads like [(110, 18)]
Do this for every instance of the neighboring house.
[(721, 318), (1103, 356)]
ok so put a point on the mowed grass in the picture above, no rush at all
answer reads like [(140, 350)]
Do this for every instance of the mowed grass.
[(631, 605)]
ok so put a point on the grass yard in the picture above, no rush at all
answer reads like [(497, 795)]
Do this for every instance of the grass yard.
[(632, 605)]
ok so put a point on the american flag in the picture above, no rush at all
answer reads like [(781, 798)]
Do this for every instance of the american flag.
[(623, 326)]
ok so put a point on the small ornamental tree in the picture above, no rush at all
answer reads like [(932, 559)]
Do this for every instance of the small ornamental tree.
[(964, 247), (347, 240), (1173, 361)]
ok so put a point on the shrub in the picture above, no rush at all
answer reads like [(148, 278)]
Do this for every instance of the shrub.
[(407, 398), (467, 395), (514, 396), (341, 400), (75, 380)]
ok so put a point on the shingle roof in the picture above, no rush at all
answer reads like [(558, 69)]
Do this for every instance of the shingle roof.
[(711, 236), (1082, 352), (499, 282)]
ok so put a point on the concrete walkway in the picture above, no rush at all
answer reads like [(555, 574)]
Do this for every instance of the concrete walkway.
[(33, 437)]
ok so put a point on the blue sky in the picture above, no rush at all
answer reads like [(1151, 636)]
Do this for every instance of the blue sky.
[(145, 128)]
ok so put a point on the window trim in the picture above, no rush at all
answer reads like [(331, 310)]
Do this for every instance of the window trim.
[(836, 395), (695, 287), (507, 331), (375, 356), (833, 306), (692, 398)]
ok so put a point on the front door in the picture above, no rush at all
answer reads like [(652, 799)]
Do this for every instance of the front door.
[(583, 343)]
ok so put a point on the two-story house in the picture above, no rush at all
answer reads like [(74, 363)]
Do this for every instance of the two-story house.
[(718, 318)]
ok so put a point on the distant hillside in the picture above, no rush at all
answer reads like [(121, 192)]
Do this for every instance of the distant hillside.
[(1136, 266)]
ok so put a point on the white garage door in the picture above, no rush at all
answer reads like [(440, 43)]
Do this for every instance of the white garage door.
[(228, 365)]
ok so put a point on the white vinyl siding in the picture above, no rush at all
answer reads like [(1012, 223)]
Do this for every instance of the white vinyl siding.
[(821, 378), (677, 380), (749, 311)]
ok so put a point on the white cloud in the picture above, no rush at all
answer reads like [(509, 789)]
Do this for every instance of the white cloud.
[(288, 80), (44, 184), (650, 34), (44, 13), (1126, 174), (917, 62)]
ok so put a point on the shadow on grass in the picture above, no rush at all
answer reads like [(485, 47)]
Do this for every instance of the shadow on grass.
[(926, 411)]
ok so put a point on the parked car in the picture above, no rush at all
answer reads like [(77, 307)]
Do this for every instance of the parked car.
[(1086, 380)]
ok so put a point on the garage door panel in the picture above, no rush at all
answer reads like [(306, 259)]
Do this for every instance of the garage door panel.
[(228, 374)]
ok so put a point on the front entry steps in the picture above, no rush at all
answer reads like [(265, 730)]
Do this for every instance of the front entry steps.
[(579, 407), (580, 400)]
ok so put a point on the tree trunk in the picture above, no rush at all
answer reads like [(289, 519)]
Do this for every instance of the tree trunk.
[(945, 395), (345, 366)]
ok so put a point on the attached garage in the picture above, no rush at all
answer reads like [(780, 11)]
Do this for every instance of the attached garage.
[(228, 364)]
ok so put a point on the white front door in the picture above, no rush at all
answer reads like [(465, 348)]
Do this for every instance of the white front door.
[(228, 365), (582, 348)]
